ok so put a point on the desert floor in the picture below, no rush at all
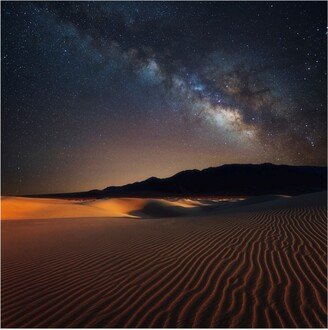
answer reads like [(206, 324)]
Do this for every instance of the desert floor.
[(259, 262)]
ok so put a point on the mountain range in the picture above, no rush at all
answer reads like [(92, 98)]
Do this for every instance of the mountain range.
[(225, 180)]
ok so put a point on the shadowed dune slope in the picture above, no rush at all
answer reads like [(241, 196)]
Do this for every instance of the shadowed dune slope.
[(256, 265)]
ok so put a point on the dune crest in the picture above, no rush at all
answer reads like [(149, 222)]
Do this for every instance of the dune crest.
[(18, 208)]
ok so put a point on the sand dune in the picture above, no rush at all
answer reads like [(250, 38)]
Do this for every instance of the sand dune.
[(14, 208), (259, 264)]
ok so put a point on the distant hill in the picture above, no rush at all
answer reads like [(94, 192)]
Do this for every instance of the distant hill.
[(225, 180)]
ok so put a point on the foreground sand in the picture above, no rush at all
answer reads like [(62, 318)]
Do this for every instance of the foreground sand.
[(260, 264)]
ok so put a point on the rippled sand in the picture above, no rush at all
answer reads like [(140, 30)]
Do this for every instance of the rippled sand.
[(249, 264)]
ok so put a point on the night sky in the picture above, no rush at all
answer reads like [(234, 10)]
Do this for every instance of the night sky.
[(107, 93)]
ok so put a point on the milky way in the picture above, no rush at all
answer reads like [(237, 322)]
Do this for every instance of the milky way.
[(95, 94)]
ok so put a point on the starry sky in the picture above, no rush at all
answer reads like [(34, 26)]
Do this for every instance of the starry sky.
[(107, 93)]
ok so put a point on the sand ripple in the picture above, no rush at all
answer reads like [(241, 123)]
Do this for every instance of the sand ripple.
[(260, 266)]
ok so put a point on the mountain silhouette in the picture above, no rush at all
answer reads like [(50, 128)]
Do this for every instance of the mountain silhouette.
[(225, 180)]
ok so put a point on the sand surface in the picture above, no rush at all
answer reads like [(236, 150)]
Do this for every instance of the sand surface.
[(22, 208), (256, 263)]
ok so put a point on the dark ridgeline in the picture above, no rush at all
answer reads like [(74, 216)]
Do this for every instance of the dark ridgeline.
[(225, 180)]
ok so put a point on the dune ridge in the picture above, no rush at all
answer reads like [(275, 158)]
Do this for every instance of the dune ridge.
[(18, 208), (260, 265)]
